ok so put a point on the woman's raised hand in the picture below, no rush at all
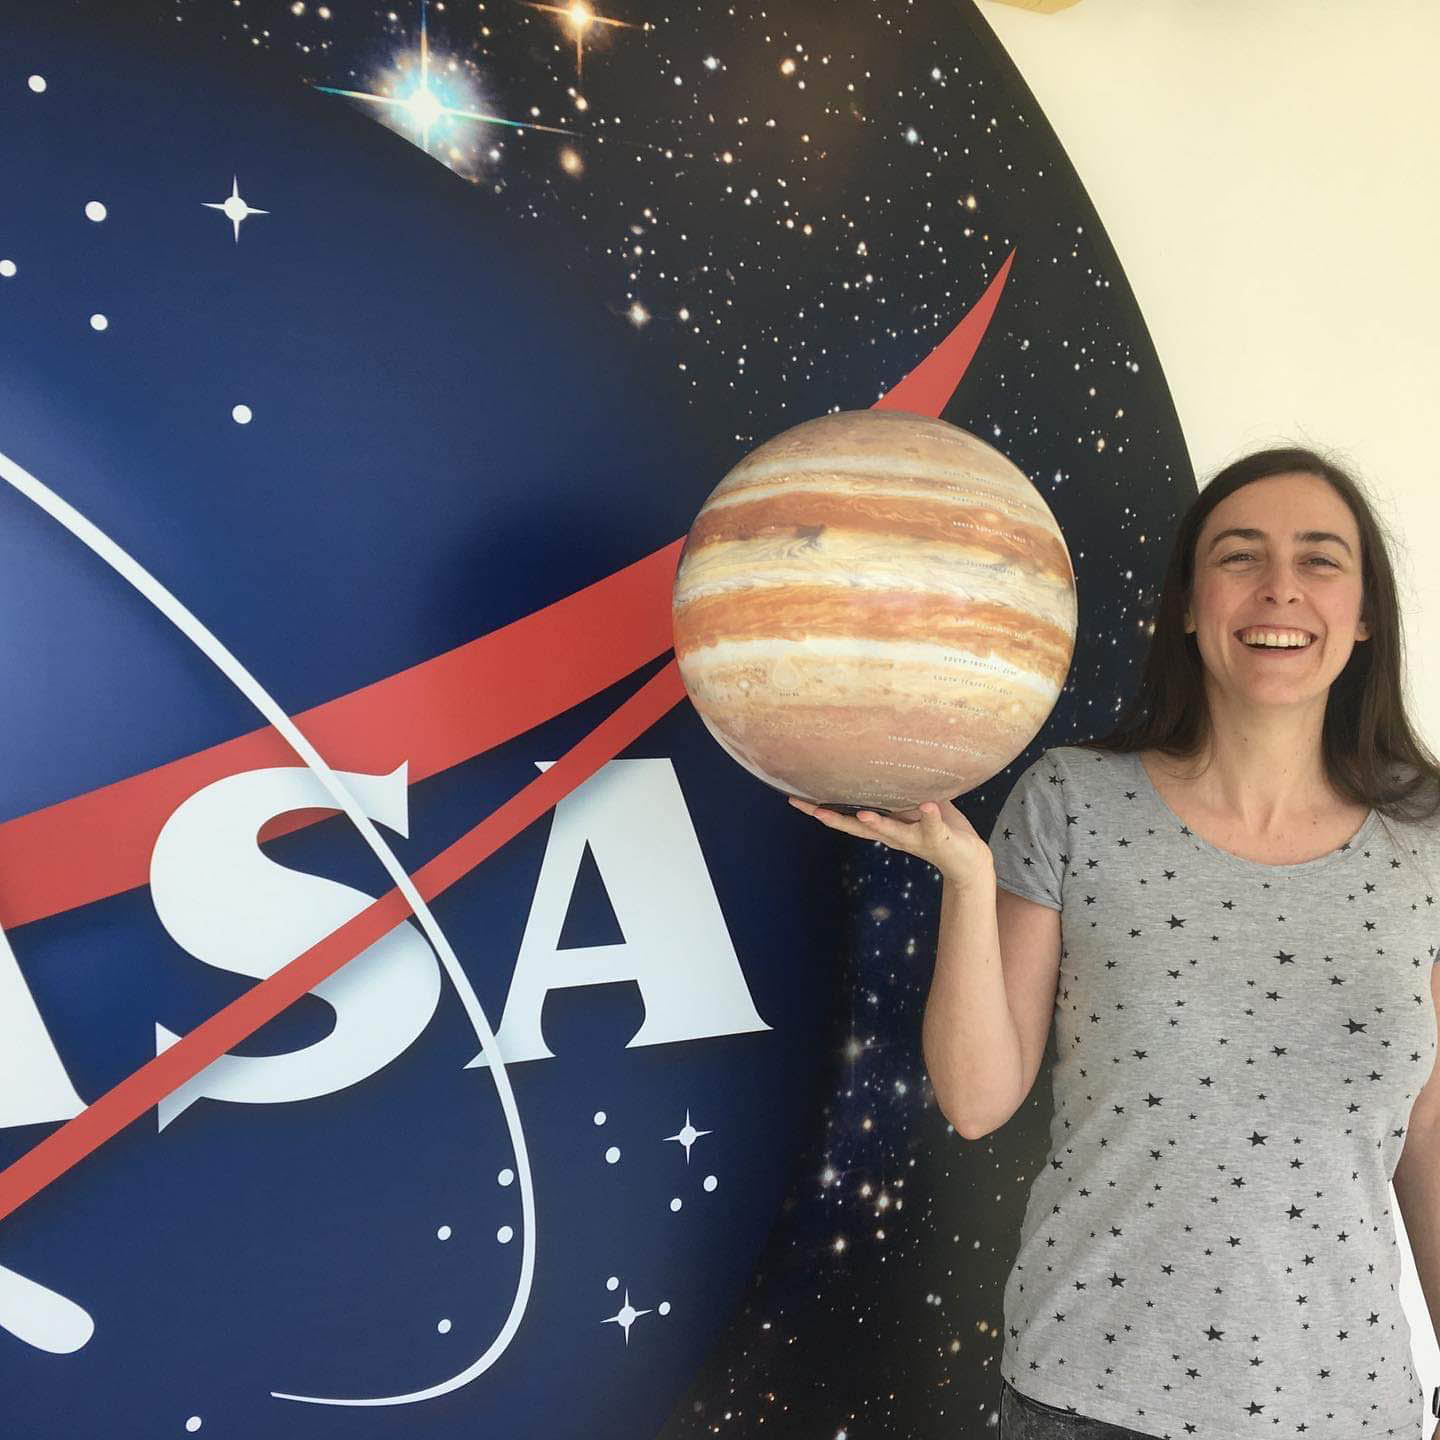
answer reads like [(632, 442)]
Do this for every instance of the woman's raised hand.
[(935, 831)]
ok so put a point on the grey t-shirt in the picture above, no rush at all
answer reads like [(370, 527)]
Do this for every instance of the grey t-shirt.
[(1209, 1250)]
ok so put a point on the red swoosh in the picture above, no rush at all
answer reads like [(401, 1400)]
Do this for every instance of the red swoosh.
[(468, 700), (99, 844)]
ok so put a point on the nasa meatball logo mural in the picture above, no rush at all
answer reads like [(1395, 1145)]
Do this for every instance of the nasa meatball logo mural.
[(410, 1017)]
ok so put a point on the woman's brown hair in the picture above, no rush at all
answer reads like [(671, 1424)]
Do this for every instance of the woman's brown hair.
[(1372, 755)]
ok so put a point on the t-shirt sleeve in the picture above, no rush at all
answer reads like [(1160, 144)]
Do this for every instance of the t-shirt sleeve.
[(1028, 840)]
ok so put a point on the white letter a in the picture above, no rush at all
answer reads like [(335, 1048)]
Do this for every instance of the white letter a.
[(676, 946)]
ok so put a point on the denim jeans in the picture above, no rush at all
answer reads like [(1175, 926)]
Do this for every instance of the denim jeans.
[(1022, 1418)]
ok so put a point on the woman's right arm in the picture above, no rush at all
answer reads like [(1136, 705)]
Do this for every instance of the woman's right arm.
[(969, 1039), (992, 1002), (997, 966)]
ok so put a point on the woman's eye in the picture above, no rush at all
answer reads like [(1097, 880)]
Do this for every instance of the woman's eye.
[(1248, 555)]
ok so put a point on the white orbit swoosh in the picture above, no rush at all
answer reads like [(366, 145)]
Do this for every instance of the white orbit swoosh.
[(193, 630), (41, 1316)]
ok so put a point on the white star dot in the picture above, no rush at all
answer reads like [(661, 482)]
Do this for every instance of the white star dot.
[(95, 211), (234, 208), (242, 414), (99, 322), (626, 1317), (687, 1136), (37, 84)]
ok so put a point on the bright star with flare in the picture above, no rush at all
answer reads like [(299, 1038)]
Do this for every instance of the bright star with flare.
[(426, 108), (424, 101), (582, 19)]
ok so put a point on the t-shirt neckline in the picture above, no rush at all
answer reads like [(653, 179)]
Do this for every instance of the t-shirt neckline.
[(1159, 803)]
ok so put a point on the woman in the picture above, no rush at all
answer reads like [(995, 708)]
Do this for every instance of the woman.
[(1225, 909)]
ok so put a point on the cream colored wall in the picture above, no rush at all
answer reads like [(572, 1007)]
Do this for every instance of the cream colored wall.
[(1266, 173)]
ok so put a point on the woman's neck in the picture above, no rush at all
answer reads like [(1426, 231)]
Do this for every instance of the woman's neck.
[(1264, 775)]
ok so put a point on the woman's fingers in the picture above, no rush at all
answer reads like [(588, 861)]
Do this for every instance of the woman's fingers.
[(927, 836), (861, 828), (828, 817), (898, 834), (926, 828), (877, 827)]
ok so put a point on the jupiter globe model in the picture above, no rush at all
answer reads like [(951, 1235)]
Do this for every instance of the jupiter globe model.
[(874, 609)]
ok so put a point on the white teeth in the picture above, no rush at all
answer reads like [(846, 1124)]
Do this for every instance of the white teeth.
[(1273, 639)]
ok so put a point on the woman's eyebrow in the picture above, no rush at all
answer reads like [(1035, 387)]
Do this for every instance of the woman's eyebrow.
[(1301, 537)]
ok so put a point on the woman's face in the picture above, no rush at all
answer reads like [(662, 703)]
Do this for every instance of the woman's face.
[(1283, 574)]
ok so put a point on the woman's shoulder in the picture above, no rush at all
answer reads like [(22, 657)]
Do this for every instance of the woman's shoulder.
[(1411, 827), (1081, 762), (1079, 777), (1064, 773)]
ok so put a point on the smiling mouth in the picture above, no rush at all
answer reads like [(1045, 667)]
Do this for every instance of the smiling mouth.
[(1276, 649)]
